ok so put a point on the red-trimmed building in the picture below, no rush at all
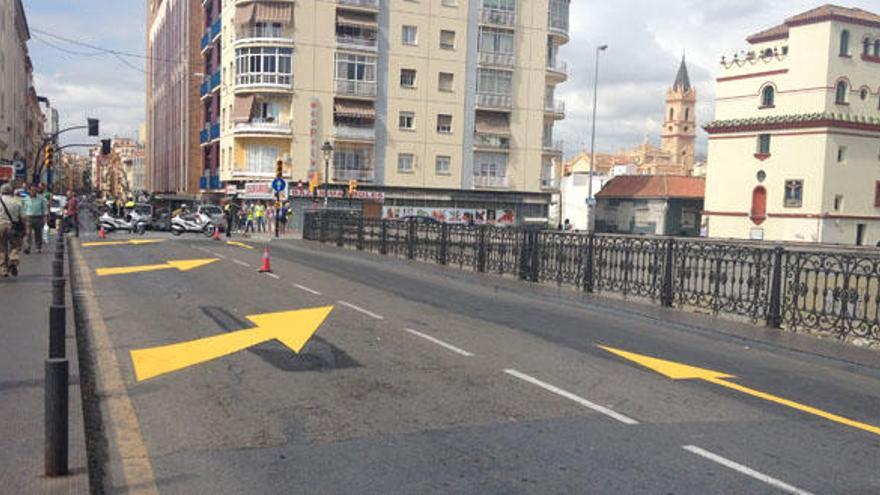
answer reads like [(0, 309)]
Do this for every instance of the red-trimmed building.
[(794, 151), (651, 204)]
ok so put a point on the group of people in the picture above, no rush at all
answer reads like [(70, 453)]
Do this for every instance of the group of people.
[(25, 221), (259, 217)]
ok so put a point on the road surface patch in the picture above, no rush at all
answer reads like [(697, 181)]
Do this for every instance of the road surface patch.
[(362, 310), (239, 244), (439, 342), (679, 371), (785, 487), (181, 265), (570, 396)]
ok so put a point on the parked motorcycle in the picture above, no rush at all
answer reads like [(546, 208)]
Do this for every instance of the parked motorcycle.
[(194, 222), (132, 222)]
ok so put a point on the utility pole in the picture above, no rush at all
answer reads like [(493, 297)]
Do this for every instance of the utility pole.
[(590, 199)]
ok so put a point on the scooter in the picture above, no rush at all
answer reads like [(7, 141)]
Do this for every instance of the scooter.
[(132, 222), (194, 222)]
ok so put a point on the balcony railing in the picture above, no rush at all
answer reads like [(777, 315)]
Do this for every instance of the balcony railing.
[(491, 181), (352, 132), (215, 29), (215, 131), (205, 88), (558, 66), (215, 80), (553, 146), (206, 40), (498, 17), (497, 58), (361, 174), (356, 42), (486, 100), (355, 87), (556, 107), (491, 141), (558, 24), (269, 79), (258, 126), (549, 183), (266, 34), (204, 136), (374, 4)]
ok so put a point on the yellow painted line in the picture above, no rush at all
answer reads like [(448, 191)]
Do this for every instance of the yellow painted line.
[(291, 328), (131, 242), (182, 265), (122, 423), (679, 371), (239, 244)]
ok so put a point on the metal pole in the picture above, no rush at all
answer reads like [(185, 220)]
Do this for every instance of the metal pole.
[(55, 417), (326, 180), (277, 212), (599, 49)]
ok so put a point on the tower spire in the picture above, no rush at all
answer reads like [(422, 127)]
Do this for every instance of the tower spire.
[(682, 79)]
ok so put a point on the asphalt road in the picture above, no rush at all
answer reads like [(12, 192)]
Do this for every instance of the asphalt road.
[(425, 380)]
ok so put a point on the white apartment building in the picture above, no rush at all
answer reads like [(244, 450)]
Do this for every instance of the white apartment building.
[(794, 152)]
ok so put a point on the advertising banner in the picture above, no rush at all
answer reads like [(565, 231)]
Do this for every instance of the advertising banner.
[(475, 216)]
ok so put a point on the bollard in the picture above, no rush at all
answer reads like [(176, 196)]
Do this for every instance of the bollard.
[(57, 331), (55, 418), (58, 290), (57, 268)]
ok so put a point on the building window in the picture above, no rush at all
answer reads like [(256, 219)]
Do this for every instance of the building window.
[(441, 166), (763, 144), (838, 202), (866, 47), (355, 67), (840, 93), (768, 97), (877, 48), (407, 121), (759, 205), (409, 35), (408, 78), (492, 81), (405, 162), (794, 193), (495, 41), (444, 124), (863, 94), (445, 81), (671, 114), (877, 193), (844, 43), (841, 154), (687, 114), (261, 159), (447, 39), (264, 65)]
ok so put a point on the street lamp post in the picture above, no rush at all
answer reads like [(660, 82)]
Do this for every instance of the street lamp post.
[(327, 149), (590, 199)]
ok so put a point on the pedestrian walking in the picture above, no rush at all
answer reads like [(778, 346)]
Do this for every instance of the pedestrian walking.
[(11, 231), (260, 215), (229, 213), (36, 211), (71, 213), (249, 223)]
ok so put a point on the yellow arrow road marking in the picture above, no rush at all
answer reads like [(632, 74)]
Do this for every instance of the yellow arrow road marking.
[(679, 371), (132, 242), (291, 328), (239, 244), (182, 265)]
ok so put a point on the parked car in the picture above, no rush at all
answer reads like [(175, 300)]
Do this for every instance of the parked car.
[(56, 209), (215, 213)]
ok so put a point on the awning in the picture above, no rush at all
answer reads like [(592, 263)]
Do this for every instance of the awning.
[(492, 123), (241, 109), (244, 14), (273, 12), (350, 18), (354, 108)]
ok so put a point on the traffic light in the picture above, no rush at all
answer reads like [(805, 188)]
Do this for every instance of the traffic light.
[(48, 156), (93, 127), (105, 146), (352, 187), (279, 169)]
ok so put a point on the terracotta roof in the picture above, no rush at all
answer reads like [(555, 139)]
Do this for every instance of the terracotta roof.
[(654, 186), (814, 119), (827, 12)]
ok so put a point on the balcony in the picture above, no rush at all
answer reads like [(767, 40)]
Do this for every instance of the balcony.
[(354, 87), (360, 175), (214, 131), (496, 17), (214, 81), (491, 181), (204, 136), (497, 59), (553, 147), (215, 29), (356, 43), (491, 142), (556, 108), (204, 88), (366, 4), (494, 101), (349, 132), (206, 41), (212, 182), (557, 69), (558, 26), (263, 127), (262, 36), (549, 184), (263, 81)]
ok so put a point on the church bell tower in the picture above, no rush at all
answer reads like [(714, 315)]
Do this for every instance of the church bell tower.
[(679, 123)]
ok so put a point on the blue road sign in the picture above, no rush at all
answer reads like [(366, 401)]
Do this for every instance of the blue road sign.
[(278, 185)]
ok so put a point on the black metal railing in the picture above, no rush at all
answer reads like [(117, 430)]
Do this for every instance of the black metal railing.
[(828, 291)]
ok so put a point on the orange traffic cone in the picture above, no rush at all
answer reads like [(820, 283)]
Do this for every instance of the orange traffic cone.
[(102, 234), (266, 266), (216, 233)]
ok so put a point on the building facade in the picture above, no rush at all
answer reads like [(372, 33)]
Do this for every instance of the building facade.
[(795, 146), (651, 205), (432, 104), (16, 82), (174, 120)]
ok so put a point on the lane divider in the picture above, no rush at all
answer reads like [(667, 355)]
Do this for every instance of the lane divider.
[(439, 342), (570, 396), (270, 274), (745, 470), (303, 287), (241, 263), (362, 310)]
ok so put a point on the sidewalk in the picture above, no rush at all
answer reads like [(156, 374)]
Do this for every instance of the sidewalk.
[(24, 330)]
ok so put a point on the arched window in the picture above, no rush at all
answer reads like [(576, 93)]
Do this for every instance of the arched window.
[(844, 43), (687, 113), (840, 93), (671, 114), (866, 47), (759, 205), (877, 48), (768, 96)]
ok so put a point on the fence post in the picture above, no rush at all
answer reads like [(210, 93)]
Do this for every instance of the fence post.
[(535, 268), (589, 284), (481, 249), (525, 255), (774, 318), (667, 294), (323, 236), (444, 243), (340, 235), (383, 238), (411, 240)]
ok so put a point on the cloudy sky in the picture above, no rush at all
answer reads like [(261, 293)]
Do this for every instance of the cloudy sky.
[(645, 46)]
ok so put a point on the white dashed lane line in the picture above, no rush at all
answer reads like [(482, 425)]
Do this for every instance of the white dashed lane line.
[(310, 291), (270, 274), (239, 262), (439, 342), (570, 396), (785, 487), (362, 310), (218, 255)]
